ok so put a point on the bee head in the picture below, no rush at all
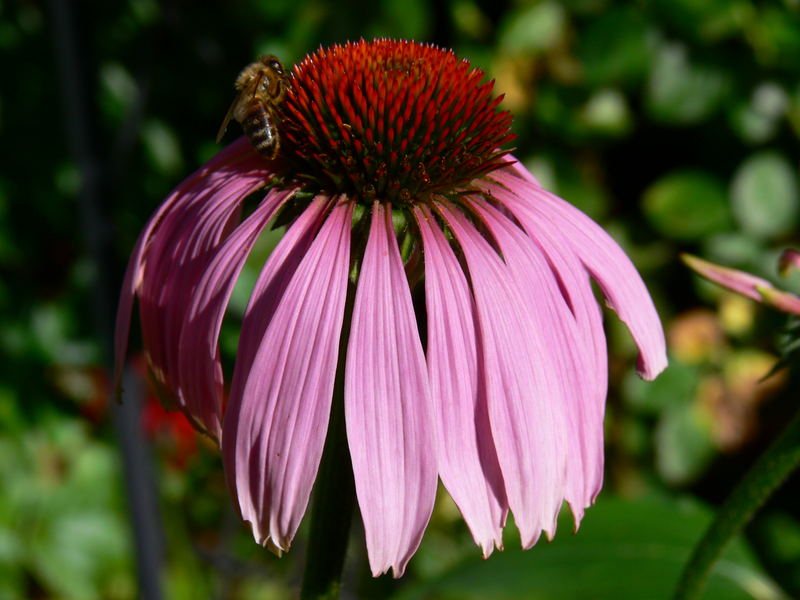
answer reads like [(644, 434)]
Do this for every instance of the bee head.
[(272, 62)]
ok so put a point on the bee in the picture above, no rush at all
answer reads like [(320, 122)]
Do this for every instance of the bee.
[(261, 87)]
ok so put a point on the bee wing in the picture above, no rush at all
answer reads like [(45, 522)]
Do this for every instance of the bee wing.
[(227, 119)]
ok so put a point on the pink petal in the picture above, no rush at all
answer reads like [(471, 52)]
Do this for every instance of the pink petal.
[(271, 285), (200, 371), (571, 275), (130, 283), (779, 299), (275, 430), (387, 406), (176, 258), (237, 151), (733, 279), (467, 459), (574, 282), (174, 249), (265, 299), (609, 266), (525, 394), (572, 356), (746, 284)]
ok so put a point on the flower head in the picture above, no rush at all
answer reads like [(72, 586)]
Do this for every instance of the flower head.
[(395, 121), (475, 350)]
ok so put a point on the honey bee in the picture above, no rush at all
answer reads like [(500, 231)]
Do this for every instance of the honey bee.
[(261, 86)]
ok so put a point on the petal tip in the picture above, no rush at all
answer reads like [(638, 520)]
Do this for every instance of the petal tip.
[(529, 542), (274, 548), (649, 367)]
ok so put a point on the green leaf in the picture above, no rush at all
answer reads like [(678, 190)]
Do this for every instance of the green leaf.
[(614, 49), (535, 27), (162, 146), (77, 550), (681, 91), (684, 446), (676, 385), (404, 19), (606, 113), (61, 495), (774, 34), (470, 19), (764, 195), (624, 550), (705, 19), (777, 537), (687, 205), (759, 119), (733, 249), (118, 90)]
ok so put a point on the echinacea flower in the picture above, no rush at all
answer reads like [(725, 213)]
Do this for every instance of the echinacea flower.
[(475, 351)]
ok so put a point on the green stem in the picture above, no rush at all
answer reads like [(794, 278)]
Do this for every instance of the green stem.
[(334, 498), (771, 470)]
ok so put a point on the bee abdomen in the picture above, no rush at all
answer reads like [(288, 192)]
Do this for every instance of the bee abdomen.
[(260, 130)]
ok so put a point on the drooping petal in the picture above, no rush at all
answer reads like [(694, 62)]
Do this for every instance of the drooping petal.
[(175, 260), (275, 430), (524, 393), (130, 282), (467, 458), (574, 282), (199, 368), (572, 276), (271, 284), (237, 158), (387, 406), (609, 266), (204, 210), (570, 353), (265, 299)]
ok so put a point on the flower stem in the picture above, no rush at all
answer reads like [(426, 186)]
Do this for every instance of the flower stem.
[(771, 470), (334, 498)]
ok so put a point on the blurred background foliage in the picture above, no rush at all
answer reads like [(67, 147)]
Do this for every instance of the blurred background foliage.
[(674, 123)]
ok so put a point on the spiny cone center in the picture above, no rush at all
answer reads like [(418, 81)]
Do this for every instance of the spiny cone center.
[(391, 120)]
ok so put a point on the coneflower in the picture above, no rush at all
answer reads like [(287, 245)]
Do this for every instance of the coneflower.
[(395, 186)]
